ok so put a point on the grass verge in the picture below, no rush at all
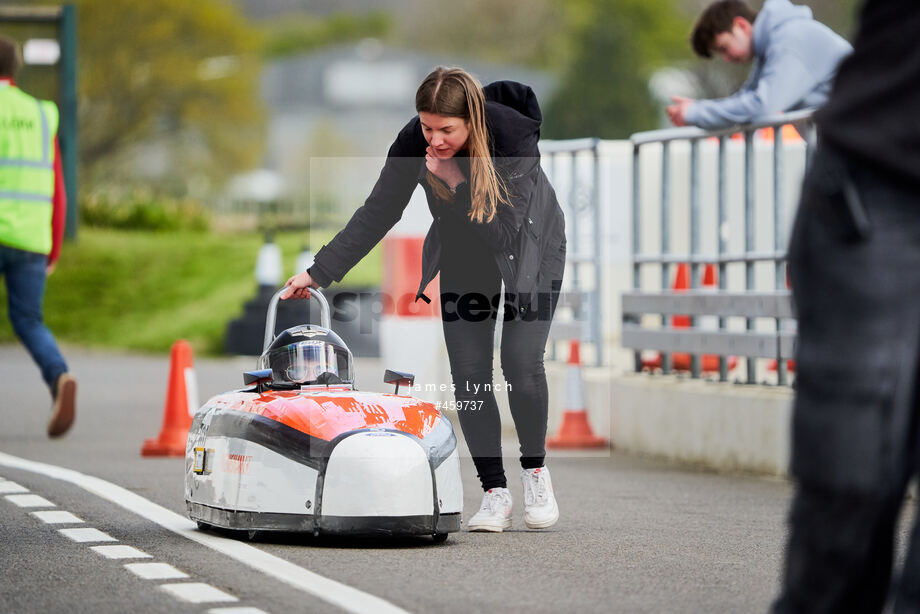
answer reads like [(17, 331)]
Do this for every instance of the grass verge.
[(143, 290)]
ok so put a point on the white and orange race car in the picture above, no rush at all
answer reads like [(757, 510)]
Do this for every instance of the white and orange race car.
[(301, 449)]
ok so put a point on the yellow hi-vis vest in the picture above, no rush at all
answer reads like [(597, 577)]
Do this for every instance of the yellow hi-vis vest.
[(27, 129)]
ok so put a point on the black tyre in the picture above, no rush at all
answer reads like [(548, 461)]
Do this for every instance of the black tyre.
[(439, 538)]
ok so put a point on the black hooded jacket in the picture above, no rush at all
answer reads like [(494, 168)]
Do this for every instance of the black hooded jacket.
[(518, 235)]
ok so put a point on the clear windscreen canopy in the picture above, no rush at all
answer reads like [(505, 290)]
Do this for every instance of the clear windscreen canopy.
[(303, 362)]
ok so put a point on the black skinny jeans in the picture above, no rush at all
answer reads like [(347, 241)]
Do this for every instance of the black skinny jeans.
[(471, 302)]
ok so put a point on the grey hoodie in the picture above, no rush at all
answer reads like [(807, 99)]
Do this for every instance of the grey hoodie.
[(795, 60)]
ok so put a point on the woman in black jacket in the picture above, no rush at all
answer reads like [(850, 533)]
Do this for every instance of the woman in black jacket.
[(496, 219)]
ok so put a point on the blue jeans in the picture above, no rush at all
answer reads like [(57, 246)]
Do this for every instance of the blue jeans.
[(24, 273)]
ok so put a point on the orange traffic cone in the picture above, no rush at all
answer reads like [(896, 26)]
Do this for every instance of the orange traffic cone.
[(181, 399), (680, 361), (790, 364), (710, 362), (790, 134), (575, 431), (681, 282)]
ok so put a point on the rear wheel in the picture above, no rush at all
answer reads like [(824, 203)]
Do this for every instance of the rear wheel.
[(439, 538), (203, 526)]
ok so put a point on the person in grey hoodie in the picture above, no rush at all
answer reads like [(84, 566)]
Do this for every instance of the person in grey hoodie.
[(795, 60)]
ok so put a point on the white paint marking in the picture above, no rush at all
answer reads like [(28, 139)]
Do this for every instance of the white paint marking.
[(236, 611), (191, 391), (197, 592), (332, 592), (87, 535), (29, 501), (155, 571), (120, 552), (11, 487), (57, 517)]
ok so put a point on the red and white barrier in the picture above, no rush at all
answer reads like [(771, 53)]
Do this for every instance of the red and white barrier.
[(411, 338)]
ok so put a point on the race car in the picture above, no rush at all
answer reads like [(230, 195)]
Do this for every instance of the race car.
[(301, 449)]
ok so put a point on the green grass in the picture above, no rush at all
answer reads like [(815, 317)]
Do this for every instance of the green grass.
[(142, 290)]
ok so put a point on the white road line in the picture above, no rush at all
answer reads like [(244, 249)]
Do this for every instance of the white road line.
[(236, 611), (120, 552), (11, 487), (57, 517), (330, 591), (87, 535), (155, 571), (197, 592), (29, 501)]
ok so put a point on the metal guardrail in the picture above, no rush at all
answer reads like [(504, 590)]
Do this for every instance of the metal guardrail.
[(581, 206), (749, 305), (776, 305)]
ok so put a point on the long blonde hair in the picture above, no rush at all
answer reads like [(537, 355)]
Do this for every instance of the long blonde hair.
[(453, 92)]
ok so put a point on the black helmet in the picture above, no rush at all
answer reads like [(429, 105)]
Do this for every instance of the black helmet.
[(302, 354)]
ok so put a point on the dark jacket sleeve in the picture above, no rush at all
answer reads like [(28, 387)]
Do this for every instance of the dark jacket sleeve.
[(380, 211)]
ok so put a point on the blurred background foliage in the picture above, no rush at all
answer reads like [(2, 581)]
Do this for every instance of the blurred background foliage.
[(618, 44), (141, 291), (602, 52), (170, 91), (172, 111), (296, 34), (142, 210), (167, 88)]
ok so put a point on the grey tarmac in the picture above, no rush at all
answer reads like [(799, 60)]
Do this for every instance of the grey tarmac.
[(635, 534)]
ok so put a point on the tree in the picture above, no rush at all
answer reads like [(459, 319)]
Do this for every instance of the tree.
[(617, 45), (180, 75), (300, 34), (523, 32)]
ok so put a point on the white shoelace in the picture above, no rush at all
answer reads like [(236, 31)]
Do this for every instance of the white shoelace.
[(493, 502), (535, 491)]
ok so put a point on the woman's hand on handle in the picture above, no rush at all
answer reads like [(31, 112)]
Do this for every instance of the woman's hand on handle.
[(298, 286)]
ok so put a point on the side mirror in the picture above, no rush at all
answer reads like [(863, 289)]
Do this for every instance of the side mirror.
[(398, 378), (261, 378)]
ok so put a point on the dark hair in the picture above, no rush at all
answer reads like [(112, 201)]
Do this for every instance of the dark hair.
[(716, 19), (10, 58), (453, 92)]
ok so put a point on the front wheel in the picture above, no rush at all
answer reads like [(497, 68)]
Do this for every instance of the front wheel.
[(439, 538)]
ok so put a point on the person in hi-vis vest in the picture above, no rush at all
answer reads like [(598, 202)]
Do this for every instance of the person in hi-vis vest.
[(32, 214)]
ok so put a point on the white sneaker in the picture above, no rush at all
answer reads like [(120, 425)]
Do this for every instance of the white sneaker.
[(495, 512), (540, 509)]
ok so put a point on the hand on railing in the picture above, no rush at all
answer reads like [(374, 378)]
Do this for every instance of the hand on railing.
[(692, 132)]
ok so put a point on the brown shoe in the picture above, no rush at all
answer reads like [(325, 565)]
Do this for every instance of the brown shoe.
[(63, 411)]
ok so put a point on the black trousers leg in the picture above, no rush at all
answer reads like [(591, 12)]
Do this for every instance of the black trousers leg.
[(469, 332), (839, 555), (523, 347), (470, 308), (856, 287)]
